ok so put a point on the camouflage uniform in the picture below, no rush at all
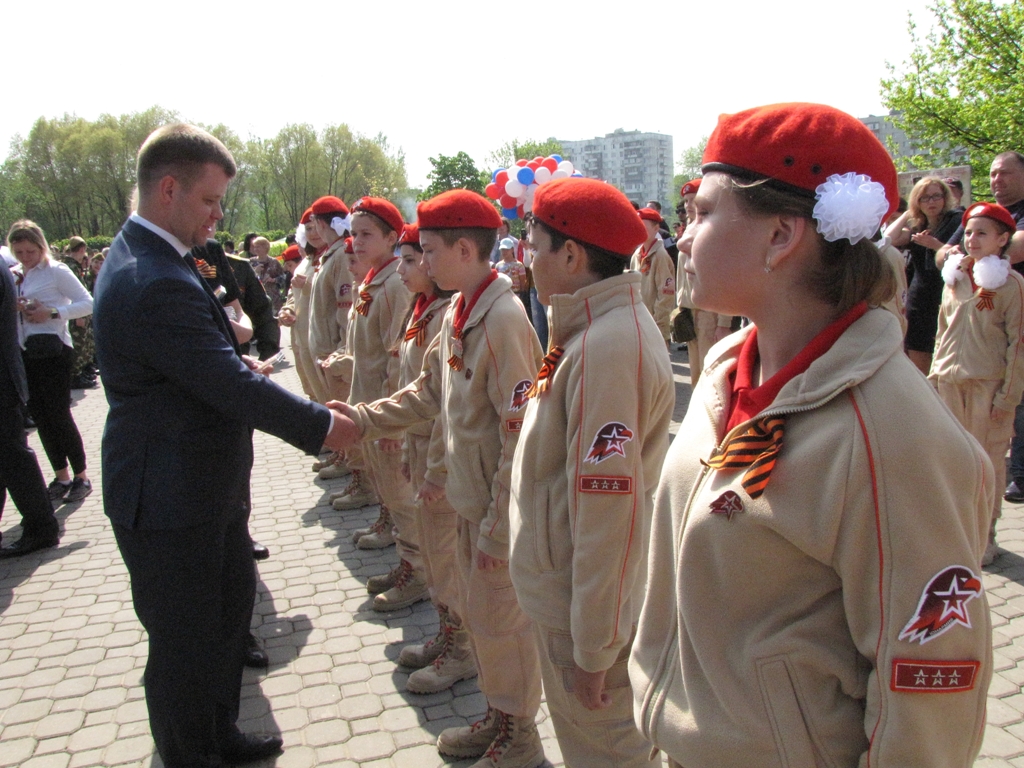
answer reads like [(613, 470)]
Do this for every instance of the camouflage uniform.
[(81, 329)]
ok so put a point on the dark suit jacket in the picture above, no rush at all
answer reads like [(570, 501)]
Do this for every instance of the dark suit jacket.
[(177, 446), (12, 369)]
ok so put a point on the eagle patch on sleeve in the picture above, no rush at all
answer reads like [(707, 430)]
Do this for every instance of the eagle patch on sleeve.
[(519, 398), (609, 441), (943, 604)]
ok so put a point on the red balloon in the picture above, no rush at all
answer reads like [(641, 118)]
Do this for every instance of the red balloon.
[(533, 165), (521, 163), (538, 159), (550, 163), (507, 201), (493, 191), (521, 211), (501, 180)]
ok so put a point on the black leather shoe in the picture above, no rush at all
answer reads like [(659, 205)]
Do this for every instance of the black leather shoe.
[(1013, 493), (28, 544), (259, 552), (255, 656), (242, 748)]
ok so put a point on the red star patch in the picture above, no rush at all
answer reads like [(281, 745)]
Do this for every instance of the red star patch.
[(728, 504)]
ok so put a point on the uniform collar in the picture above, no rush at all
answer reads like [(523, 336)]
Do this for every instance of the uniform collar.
[(571, 313)]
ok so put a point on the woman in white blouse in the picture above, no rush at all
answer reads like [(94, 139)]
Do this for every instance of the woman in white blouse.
[(49, 295)]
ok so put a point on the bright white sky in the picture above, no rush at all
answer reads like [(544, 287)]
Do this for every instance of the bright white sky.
[(439, 77)]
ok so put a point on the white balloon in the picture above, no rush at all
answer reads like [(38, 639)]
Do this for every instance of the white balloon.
[(513, 188), (560, 174), (566, 166), (530, 192), (528, 205), (542, 175)]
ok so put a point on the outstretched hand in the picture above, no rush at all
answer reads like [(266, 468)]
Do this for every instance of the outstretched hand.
[(344, 433)]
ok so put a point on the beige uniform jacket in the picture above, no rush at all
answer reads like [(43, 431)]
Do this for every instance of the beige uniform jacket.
[(657, 285), (377, 333), (839, 619), (584, 475), (411, 355), (974, 341), (893, 257), (330, 297), (480, 407), (298, 303)]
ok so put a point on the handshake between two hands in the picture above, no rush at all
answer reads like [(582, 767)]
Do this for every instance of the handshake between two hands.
[(344, 432)]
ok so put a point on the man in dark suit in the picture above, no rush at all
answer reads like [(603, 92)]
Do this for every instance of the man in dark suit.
[(177, 450), (19, 470)]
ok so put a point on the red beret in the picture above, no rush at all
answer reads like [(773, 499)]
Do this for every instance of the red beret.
[(291, 253), (410, 235), (649, 214), (989, 211), (307, 216), (591, 211), (348, 246), (328, 205), (383, 209), (690, 187), (799, 146), (457, 209)]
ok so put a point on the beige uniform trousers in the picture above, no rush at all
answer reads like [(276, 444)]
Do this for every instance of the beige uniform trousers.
[(606, 738), (971, 403), (394, 492), (705, 323), (437, 534), (306, 367), (501, 634)]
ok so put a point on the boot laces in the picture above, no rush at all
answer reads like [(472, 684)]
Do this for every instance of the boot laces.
[(404, 574), (484, 721), (503, 739), (383, 522), (447, 639)]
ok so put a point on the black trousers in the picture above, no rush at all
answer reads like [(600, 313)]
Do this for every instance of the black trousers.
[(19, 471), (49, 404), (193, 590)]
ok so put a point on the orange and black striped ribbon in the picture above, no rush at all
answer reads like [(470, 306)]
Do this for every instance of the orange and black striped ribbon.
[(363, 305), (756, 449), (418, 331), (455, 361), (547, 370), (985, 300)]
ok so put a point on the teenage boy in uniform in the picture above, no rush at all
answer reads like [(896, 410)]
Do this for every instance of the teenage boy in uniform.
[(658, 282), (475, 379), (595, 433)]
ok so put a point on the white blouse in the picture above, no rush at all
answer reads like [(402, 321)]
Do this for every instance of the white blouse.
[(54, 285)]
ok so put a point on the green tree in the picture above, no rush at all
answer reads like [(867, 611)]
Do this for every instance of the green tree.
[(507, 154), (688, 167), (457, 172), (964, 84)]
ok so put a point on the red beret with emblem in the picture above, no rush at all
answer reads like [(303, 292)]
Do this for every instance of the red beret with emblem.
[(591, 211), (348, 246), (383, 209), (327, 205), (307, 216), (410, 235), (291, 253), (690, 187), (457, 209), (989, 211), (649, 214), (798, 147)]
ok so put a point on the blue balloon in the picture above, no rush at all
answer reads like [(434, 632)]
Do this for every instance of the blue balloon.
[(558, 158), (525, 175), (576, 175), (510, 213), (494, 176)]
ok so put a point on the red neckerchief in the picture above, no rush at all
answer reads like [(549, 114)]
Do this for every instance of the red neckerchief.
[(748, 399), (645, 259), (365, 298), (461, 315), (985, 296), (417, 330)]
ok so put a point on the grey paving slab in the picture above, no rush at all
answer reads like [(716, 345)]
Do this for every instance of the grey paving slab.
[(72, 651)]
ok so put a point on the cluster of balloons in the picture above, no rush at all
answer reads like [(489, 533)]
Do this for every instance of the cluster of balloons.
[(514, 187)]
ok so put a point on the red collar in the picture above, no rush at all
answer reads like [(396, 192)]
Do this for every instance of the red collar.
[(748, 399), (422, 302), (462, 310), (373, 271)]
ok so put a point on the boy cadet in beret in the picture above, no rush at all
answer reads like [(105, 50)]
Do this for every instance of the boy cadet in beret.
[(595, 432), (657, 283), (475, 378)]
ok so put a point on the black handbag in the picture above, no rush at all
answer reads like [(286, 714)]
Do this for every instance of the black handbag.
[(40, 346), (683, 329)]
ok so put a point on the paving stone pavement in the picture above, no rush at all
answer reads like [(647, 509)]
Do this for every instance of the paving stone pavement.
[(72, 650)]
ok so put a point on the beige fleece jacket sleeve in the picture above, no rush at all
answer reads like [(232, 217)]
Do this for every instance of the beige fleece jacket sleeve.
[(665, 300), (414, 404), (437, 472), (1009, 395), (392, 326)]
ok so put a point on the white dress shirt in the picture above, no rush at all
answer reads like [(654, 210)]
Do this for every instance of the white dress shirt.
[(54, 285)]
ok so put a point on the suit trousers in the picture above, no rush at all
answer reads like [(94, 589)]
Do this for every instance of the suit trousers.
[(604, 738), (19, 470), (501, 634), (193, 590), (437, 531)]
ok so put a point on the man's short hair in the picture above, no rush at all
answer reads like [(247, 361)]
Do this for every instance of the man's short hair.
[(600, 262), (75, 243), (655, 205), (1008, 155), (483, 238), (180, 150)]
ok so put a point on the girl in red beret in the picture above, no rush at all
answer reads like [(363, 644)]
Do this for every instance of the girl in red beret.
[(820, 518), (978, 365)]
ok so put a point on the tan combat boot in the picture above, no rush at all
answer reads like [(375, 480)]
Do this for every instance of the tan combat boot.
[(517, 745), (383, 582), (380, 535), (422, 654), (333, 468), (357, 494), (410, 587), (455, 663), (358, 533), (470, 740)]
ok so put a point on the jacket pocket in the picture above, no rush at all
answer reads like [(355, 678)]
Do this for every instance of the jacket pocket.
[(541, 522), (782, 706)]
